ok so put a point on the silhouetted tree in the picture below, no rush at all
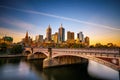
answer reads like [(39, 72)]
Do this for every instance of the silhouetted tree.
[(16, 49), (3, 47), (7, 38)]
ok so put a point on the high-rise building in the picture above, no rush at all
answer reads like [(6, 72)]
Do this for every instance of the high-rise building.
[(70, 35), (80, 36), (48, 33), (39, 38), (61, 34), (87, 41), (55, 37)]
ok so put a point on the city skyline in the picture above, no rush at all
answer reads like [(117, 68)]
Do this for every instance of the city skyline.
[(97, 19)]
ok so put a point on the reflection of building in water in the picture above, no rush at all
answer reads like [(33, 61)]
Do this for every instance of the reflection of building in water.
[(27, 41)]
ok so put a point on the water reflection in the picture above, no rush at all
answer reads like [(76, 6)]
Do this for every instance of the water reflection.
[(100, 71), (21, 69), (13, 69), (72, 72)]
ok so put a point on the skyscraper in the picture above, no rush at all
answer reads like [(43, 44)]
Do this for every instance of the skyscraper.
[(39, 38), (61, 34), (80, 36), (70, 35), (48, 33)]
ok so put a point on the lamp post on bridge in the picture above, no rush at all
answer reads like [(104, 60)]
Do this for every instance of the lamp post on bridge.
[(50, 56), (50, 52), (32, 49)]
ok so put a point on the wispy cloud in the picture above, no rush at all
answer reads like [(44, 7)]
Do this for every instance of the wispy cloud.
[(61, 17), (17, 23)]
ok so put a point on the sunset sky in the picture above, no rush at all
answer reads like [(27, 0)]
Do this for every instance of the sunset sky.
[(98, 19)]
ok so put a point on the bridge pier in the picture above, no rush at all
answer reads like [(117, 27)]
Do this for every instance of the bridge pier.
[(50, 53)]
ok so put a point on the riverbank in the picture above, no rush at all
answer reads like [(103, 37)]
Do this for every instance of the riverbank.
[(11, 56)]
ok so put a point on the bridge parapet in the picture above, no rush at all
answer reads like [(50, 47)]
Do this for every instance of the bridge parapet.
[(112, 51), (98, 55), (93, 52)]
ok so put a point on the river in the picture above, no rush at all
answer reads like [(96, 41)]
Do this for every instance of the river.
[(22, 69)]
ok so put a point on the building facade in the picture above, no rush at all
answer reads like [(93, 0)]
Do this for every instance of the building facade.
[(61, 34), (39, 38), (87, 41), (48, 34), (80, 36), (70, 35), (55, 37)]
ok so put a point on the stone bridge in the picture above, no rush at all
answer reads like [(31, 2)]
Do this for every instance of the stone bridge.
[(107, 57)]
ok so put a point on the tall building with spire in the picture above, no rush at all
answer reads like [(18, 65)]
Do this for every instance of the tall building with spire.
[(27, 41), (26, 37), (48, 33), (61, 34)]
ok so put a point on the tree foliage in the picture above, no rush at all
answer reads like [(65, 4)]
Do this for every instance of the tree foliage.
[(16, 49), (7, 38), (3, 47)]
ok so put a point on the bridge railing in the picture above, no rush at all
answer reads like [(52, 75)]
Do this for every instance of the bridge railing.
[(105, 53), (88, 51)]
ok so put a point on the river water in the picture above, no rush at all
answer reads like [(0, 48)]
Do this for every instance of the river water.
[(22, 69)]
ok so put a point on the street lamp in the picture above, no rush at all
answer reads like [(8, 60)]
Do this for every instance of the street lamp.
[(50, 52)]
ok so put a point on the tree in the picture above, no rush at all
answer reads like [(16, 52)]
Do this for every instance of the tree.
[(110, 44), (91, 46), (98, 45), (7, 38), (3, 47), (16, 49)]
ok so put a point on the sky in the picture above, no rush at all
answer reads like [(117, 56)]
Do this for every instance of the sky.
[(98, 19)]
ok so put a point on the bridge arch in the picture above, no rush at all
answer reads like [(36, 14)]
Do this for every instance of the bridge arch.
[(68, 59), (41, 52), (39, 55), (27, 52), (93, 58)]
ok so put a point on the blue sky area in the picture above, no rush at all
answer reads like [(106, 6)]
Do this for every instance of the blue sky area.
[(98, 19)]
